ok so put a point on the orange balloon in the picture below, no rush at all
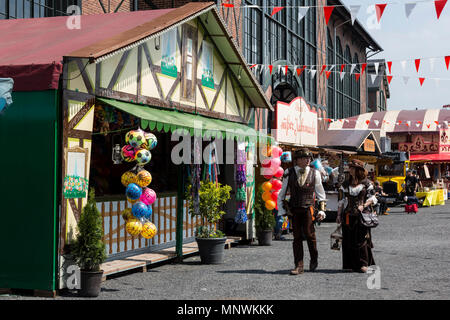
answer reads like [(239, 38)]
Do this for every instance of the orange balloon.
[(266, 196), (267, 186), (270, 204)]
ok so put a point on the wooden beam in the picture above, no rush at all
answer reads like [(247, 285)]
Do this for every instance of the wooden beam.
[(118, 70), (150, 64)]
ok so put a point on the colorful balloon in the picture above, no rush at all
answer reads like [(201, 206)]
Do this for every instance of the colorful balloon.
[(133, 226), (135, 138), (151, 140), (267, 186), (276, 184), (126, 214), (148, 196), (274, 196), (265, 163), (279, 173), (143, 156), (149, 230), (275, 163), (133, 191), (143, 178), (140, 210), (276, 152), (127, 178), (266, 195), (270, 204), (128, 153)]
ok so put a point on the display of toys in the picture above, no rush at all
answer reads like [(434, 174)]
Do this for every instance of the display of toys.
[(150, 141), (143, 156), (266, 196), (148, 196), (134, 226), (127, 178), (140, 210), (135, 138), (270, 204), (149, 230), (267, 186), (128, 153), (143, 178), (126, 214), (133, 191)]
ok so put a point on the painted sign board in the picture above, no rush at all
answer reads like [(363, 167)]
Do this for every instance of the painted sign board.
[(444, 140), (369, 145), (296, 123)]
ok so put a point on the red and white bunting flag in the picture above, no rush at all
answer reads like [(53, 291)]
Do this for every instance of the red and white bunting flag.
[(409, 8), (367, 122), (417, 62), (276, 10), (286, 69), (328, 74), (376, 122), (373, 77), (376, 65), (342, 67), (405, 80), (262, 69), (253, 66), (389, 78), (363, 66), (421, 80), (228, 5), (379, 8), (389, 63), (312, 73), (302, 12), (323, 68), (299, 71), (357, 76), (352, 68), (342, 75), (354, 9), (270, 68), (327, 10), (447, 61), (432, 60), (439, 5)]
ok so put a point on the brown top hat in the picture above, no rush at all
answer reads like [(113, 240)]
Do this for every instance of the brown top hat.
[(356, 163), (302, 153)]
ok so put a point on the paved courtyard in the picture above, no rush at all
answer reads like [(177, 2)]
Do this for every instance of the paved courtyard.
[(412, 252)]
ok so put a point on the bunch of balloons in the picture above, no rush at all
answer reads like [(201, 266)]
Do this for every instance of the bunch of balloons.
[(272, 171), (136, 181)]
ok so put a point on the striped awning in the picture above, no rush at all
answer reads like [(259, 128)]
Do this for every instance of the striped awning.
[(430, 120)]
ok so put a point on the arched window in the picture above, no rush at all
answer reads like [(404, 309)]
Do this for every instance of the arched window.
[(339, 83), (347, 84), (330, 81), (356, 89)]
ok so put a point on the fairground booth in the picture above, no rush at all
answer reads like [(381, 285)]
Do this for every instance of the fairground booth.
[(422, 135), (176, 74)]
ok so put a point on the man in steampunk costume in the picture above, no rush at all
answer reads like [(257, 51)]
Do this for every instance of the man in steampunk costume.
[(305, 186)]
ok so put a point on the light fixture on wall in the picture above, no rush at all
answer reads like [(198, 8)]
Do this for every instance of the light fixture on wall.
[(158, 45), (116, 150)]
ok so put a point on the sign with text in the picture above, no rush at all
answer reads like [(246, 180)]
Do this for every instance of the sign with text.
[(444, 141), (296, 123)]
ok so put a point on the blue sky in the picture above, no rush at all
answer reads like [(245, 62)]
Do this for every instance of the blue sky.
[(420, 36)]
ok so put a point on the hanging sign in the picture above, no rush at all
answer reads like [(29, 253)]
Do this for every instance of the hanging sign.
[(296, 123), (444, 141), (369, 145), (169, 50), (75, 181)]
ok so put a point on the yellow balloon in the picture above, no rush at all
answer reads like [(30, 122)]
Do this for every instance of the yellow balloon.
[(134, 226), (126, 214), (149, 230), (127, 178), (266, 196), (270, 204), (267, 186)]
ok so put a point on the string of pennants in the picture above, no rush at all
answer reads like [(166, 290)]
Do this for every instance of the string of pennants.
[(354, 9), (408, 123)]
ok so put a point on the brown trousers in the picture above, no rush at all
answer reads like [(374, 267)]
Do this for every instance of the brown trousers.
[(303, 229)]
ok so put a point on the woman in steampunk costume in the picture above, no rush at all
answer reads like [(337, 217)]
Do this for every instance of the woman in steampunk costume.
[(305, 185), (359, 195)]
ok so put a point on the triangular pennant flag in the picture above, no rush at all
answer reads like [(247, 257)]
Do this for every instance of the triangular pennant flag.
[(286, 67), (408, 123), (357, 76), (262, 69), (379, 10), (342, 67), (302, 12), (354, 12), (428, 125), (417, 125), (342, 75), (352, 68), (270, 68), (421, 81), (389, 63), (439, 4), (432, 63), (447, 61), (389, 78), (299, 71), (328, 74), (403, 63), (373, 78), (276, 9), (256, 68), (417, 62), (376, 65), (332, 67), (367, 122), (376, 122), (253, 66), (323, 68), (327, 11), (363, 66), (437, 122), (279, 69), (312, 73), (228, 5), (409, 8), (405, 79)]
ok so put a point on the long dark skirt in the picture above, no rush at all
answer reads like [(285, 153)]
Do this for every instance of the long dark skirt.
[(356, 245)]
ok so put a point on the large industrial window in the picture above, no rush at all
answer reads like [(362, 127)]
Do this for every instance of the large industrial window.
[(347, 84), (339, 84), (356, 89), (331, 88), (310, 40), (18, 9), (253, 34)]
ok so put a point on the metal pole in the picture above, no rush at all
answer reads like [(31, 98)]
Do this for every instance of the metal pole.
[(179, 229)]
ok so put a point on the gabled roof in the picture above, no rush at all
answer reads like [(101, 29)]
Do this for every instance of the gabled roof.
[(341, 139)]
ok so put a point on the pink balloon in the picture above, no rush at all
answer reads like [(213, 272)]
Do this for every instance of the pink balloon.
[(275, 163), (265, 163), (276, 152), (276, 184), (274, 195), (279, 173), (148, 196)]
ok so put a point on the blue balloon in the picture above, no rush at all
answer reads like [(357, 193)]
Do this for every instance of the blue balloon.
[(317, 164), (149, 212), (139, 210), (133, 191)]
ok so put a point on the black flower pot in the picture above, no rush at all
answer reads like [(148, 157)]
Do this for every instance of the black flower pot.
[(211, 250), (264, 237), (90, 283)]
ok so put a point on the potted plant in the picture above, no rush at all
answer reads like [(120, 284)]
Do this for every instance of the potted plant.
[(264, 221), (211, 242), (88, 249)]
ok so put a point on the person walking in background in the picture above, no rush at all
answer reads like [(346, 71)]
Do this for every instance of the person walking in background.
[(356, 238), (411, 186), (304, 183), (379, 193)]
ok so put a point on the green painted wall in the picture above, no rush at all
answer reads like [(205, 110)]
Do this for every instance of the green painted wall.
[(29, 169)]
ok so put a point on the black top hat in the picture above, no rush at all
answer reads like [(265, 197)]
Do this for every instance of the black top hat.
[(302, 153)]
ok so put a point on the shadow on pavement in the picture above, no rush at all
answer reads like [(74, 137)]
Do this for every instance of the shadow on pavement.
[(256, 271)]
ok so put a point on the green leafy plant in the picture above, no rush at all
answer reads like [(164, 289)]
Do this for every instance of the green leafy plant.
[(88, 248), (212, 198), (264, 219)]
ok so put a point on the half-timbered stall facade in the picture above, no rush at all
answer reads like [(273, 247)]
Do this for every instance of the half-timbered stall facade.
[(164, 71)]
